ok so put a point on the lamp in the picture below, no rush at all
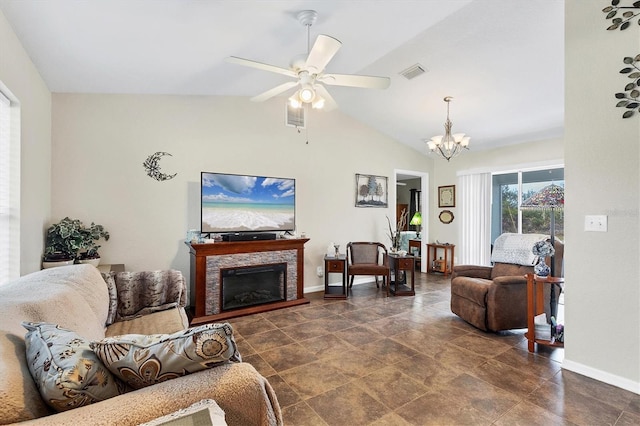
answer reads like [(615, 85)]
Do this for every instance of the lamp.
[(448, 146), (550, 197), (416, 220)]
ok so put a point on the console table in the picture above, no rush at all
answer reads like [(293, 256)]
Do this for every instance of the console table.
[(434, 264), (206, 274), (335, 265)]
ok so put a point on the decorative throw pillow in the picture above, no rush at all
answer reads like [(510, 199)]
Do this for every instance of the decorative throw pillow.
[(109, 278), (67, 372), (143, 360)]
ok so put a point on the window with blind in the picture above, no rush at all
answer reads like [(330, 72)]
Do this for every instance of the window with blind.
[(9, 193)]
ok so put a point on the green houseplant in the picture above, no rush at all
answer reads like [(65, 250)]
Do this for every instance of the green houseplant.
[(69, 240)]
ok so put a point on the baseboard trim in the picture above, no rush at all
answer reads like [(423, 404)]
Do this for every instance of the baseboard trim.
[(602, 376), (356, 281)]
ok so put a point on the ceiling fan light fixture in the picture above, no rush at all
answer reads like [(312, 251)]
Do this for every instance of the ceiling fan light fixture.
[(306, 93), (318, 102), (294, 101)]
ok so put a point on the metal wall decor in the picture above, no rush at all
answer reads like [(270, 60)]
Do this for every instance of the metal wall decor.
[(629, 98), (371, 191), (621, 23), (152, 167)]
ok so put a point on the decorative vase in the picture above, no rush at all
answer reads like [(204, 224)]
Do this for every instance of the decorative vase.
[(95, 261), (542, 269), (52, 264)]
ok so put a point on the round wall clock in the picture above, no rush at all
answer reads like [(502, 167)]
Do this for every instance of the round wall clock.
[(446, 216)]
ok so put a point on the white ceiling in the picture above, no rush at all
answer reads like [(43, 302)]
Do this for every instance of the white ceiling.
[(502, 61)]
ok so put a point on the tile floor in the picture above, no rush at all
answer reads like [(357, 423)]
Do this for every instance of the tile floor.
[(372, 360)]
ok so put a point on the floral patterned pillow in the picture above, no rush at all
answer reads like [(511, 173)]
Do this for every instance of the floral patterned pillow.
[(67, 372), (143, 360)]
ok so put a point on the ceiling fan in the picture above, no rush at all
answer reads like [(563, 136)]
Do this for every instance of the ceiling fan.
[(309, 72)]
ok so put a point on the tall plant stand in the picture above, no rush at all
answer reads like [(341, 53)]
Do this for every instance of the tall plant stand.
[(535, 306)]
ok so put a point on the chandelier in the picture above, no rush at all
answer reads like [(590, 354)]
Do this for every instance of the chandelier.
[(448, 146)]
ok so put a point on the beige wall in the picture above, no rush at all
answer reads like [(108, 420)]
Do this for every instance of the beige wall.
[(516, 157), (101, 141), (19, 75), (602, 177)]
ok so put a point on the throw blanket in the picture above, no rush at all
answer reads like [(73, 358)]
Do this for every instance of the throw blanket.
[(516, 248)]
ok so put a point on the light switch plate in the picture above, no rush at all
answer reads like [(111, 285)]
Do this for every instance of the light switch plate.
[(595, 223)]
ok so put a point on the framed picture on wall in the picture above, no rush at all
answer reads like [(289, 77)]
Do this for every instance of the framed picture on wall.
[(371, 191), (447, 196)]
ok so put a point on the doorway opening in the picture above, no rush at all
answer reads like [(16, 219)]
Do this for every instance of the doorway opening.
[(412, 195)]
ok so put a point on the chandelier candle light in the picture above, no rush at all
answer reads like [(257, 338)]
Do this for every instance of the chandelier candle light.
[(448, 146)]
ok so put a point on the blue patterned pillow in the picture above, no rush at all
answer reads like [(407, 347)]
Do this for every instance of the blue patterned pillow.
[(67, 372), (143, 360)]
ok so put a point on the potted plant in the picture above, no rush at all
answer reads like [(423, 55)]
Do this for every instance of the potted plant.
[(88, 252), (69, 240)]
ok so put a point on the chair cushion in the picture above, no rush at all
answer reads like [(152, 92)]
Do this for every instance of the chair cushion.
[(473, 289), (368, 268)]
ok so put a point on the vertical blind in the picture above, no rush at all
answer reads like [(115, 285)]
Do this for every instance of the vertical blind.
[(475, 219), (9, 216)]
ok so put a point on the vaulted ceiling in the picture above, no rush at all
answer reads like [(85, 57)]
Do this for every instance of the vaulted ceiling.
[(501, 61)]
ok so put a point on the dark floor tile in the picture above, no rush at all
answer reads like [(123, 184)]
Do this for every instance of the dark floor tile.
[(391, 387), (488, 399), (314, 312), (286, 395), (516, 381), (260, 364), (457, 358), (361, 408), (606, 393), (527, 414), (306, 330), (287, 357), (313, 379), (530, 363), (361, 315), (327, 346), (574, 406), (436, 409), (249, 326), (428, 371), (359, 335), (628, 419), (480, 345), (286, 319), (301, 415), (388, 351), (354, 363), (268, 340)]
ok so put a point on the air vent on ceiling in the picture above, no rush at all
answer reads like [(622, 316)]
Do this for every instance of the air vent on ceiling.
[(413, 71), (294, 117)]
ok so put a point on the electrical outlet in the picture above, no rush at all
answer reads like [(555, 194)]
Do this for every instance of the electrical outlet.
[(595, 223), (319, 271)]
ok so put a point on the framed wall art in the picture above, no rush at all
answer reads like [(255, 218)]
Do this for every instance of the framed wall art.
[(371, 191), (447, 196)]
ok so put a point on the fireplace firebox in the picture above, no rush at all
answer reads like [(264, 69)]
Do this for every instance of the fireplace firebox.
[(253, 285)]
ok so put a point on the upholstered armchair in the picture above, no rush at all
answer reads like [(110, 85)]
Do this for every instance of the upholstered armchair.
[(494, 298), (368, 258)]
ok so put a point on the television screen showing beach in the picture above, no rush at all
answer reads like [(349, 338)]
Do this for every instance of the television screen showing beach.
[(236, 203)]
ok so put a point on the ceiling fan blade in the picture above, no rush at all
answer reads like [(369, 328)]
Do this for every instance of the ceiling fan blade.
[(352, 80), (321, 53), (274, 92), (260, 66), (329, 102)]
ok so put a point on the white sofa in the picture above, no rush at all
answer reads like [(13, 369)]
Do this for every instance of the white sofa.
[(77, 298)]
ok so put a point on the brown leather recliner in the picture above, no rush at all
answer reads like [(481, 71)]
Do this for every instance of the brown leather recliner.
[(495, 298)]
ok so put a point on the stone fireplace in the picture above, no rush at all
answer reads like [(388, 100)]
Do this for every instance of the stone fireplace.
[(229, 279)]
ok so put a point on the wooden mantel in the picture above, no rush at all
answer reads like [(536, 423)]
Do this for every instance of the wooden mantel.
[(199, 253)]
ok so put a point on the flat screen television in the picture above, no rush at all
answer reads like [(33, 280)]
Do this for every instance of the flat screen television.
[(243, 203)]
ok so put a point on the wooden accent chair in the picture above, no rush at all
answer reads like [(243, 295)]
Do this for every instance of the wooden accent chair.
[(368, 258)]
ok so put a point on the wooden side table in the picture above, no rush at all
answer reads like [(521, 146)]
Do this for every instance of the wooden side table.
[(535, 306), (443, 265), (335, 265), (405, 264)]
